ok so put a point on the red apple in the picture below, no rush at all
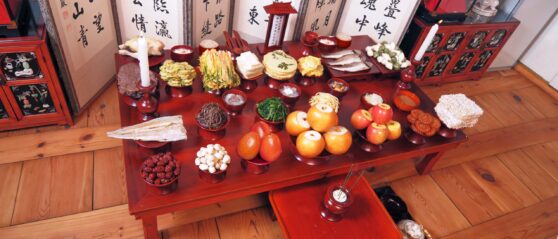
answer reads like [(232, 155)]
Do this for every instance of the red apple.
[(360, 119), (382, 113), (376, 133), (394, 130)]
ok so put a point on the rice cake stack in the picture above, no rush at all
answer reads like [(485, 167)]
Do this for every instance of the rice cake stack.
[(279, 65), (249, 65), (457, 111)]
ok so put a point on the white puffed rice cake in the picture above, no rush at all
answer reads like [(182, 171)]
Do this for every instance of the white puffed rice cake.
[(457, 111)]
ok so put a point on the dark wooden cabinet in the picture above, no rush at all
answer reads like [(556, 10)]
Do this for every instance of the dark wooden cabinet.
[(30, 92), (459, 51)]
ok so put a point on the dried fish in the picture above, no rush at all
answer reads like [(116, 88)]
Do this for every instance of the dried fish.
[(339, 54), (354, 67), (346, 60), (163, 129)]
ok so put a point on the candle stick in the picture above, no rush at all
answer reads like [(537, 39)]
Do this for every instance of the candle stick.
[(427, 41), (143, 61)]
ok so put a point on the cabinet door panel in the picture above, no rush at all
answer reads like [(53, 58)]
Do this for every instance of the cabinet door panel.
[(6, 112), (462, 63), (421, 68), (497, 38), (20, 66), (482, 61), (454, 41), (477, 40), (440, 65), (33, 99), (435, 42)]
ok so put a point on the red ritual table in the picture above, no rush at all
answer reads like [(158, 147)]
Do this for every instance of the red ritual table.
[(145, 202)]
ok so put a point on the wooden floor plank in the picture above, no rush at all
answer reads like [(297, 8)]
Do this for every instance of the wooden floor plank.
[(54, 143), (256, 223), (530, 173), (484, 189), (509, 108), (206, 229), (537, 221), (546, 156), (489, 83), (430, 206), (109, 178), (105, 110), (9, 181), (54, 187), (501, 140)]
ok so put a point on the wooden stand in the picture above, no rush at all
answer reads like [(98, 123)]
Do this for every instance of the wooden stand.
[(147, 105)]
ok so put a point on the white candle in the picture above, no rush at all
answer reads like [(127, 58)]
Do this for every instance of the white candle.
[(143, 61), (427, 41)]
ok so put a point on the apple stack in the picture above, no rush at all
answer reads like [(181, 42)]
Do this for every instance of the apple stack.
[(258, 148), (378, 122), (309, 127)]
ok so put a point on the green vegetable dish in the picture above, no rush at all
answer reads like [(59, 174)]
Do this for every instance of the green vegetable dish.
[(272, 109)]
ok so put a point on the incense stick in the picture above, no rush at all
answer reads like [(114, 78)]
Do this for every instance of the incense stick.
[(356, 180), (348, 176)]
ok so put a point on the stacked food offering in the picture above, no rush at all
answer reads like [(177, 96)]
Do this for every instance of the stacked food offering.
[(279, 65), (249, 65), (218, 70)]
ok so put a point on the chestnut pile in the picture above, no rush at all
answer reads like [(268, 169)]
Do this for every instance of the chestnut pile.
[(160, 168)]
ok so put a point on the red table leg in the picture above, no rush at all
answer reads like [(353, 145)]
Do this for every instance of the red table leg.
[(150, 227), (424, 165)]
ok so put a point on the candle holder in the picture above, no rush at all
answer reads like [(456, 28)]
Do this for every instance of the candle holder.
[(147, 105), (408, 75), (339, 197)]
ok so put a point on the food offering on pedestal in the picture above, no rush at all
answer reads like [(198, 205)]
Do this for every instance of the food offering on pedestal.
[(327, 43), (290, 93), (406, 100), (371, 99), (179, 77), (127, 80), (310, 40), (212, 121), (381, 113), (375, 126), (422, 125), (181, 53), (343, 40), (389, 55), (161, 171), (207, 44), (310, 68), (250, 69), (316, 134), (212, 161), (338, 87), (279, 67), (259, 148), (234, 101), (347, 61), (456, 111), (218, 71), (272, 111), (154, 133)]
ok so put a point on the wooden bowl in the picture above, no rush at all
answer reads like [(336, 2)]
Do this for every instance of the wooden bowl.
[(234, 110), (365, 103), (255, 166), (150, 144), (327, 47), (181, 57), (216, 177), (403, 98), (213, 134), (290, 100), (338, 94), (275, 126), (343, 40)]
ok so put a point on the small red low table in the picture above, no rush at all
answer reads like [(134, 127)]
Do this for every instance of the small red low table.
[(298, 212)]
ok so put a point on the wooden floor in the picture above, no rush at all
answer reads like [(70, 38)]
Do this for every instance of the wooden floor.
[(59, 182)]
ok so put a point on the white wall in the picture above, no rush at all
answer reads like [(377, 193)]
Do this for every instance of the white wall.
[(533, 16), (541, 56)]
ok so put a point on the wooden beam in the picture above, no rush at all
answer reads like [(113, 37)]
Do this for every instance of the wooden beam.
[(55, 143), (536, 79), (537, 221)]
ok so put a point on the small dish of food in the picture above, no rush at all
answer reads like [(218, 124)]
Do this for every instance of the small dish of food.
[(234, 101), (370, 99), (327, 43), (338, 87), (161, 171), (181, 53), (343, 40), (406, 100), (212, 121), (212, 161), (289, 93)]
